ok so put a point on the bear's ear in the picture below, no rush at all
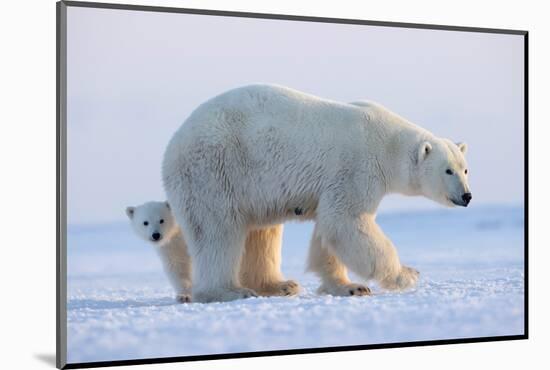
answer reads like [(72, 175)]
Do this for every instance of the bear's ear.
[(424, 151), (167, 204), (463, 147), (130, 212)]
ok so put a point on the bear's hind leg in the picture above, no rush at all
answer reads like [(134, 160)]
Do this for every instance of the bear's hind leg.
[(261, 264), (333, 273)]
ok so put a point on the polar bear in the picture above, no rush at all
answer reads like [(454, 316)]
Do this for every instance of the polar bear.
[(257, 156), (154, 222)]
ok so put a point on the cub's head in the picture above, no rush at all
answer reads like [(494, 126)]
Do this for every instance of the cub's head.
[(442, 172), (153, 222)]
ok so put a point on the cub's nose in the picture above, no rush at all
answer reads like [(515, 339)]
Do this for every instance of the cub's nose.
[(466, 197), (156, 236)]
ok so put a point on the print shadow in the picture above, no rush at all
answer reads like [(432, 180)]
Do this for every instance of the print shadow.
[(47, 358)]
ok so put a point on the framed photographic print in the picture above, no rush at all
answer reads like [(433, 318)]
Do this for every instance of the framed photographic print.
[(237, 184)]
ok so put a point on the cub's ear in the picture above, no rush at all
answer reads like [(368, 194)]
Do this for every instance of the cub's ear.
[(130, 212), (424, 150), (463, 147), (167, 204)]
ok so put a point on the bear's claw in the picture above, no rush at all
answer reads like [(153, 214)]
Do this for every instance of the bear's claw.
[(345, 290), (183, 298), (360, 290)]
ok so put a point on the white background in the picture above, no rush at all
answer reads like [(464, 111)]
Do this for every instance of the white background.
[(27, 145)]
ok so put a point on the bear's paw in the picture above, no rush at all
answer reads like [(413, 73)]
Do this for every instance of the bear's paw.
[(345, 290), (280, 288), (183, 298), (406, 279)]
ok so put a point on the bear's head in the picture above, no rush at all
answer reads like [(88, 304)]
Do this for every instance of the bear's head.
[(441, 172), (153, 222)]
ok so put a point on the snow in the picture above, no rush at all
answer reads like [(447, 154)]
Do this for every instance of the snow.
[(120, 305)]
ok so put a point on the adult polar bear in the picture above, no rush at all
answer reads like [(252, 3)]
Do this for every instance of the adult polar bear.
[(257, 156)]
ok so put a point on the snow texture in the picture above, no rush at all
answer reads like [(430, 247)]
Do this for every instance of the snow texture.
[(121, 306)]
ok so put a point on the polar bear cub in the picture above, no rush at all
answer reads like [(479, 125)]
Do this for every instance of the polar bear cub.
[(154, 222)]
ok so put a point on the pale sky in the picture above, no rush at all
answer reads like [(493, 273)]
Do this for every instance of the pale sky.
[(134, 77)]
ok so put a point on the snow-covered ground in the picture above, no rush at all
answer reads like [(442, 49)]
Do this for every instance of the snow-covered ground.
[(120, 306)]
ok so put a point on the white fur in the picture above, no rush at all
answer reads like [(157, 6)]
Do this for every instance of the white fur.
[(249, 158), (171, 246)]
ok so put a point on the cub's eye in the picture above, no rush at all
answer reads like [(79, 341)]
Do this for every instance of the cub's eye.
[(161, 221), (466, 171), (145, 223), (449, 171)]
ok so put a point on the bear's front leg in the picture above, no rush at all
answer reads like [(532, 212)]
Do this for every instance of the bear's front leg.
[(362, 246), (333, 273), (216, 258)]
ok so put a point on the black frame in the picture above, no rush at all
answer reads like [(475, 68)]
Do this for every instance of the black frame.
[(61, 219)]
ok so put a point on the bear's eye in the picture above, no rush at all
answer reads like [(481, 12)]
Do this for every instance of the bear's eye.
[(449, 171), (466, 171), (145, 223), (161, 221)]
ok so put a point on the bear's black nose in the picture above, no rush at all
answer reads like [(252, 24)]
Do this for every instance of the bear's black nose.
[(156, 236), (466, 197)]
